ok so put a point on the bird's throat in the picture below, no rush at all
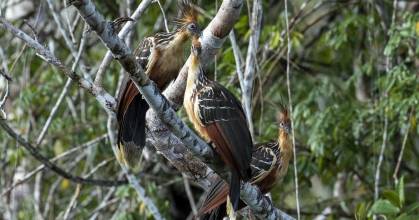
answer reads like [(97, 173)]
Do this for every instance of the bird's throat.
[(194, 71), (285, 144)]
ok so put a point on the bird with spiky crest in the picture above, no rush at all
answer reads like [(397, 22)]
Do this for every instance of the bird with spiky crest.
[(269, 165), (188, 14), (162, 56), (219, 118)]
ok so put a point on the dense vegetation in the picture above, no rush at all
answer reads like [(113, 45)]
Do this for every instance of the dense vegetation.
[(354, 86)]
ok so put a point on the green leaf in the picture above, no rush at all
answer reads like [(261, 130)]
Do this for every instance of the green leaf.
[(384, 207), (400, 188), (405, 216), (392, 196), (361, 211), (276, 39), (123, 191)]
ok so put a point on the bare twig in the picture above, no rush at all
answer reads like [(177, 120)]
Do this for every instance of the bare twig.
[(105, 202), (189, 194), (3, 114), (97, 167), (37, 196), (50, 196), (34, 152), (53, 112), (166, 26), (71, 107), (5, 96), (291, 111), (58, 20), (380, 158), (70, 27), (128, 38), (60, 156), (399, 160), (294, 19), (238, 59), (106, 100), (7, 77), (250, 70), (385, 131), (72, 202), (64, 91)]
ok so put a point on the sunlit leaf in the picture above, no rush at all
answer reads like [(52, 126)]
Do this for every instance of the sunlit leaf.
[(384, 207)]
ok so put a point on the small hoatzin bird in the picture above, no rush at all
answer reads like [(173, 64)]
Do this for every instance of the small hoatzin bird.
[(162, 56), (269, 165), (218, 117)]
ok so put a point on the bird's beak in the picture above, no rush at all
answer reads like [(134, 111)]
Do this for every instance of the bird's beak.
[(197, 32), (288, 129)]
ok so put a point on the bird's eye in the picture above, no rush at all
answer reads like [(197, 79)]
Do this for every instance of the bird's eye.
[(192, 26), (281, 124)]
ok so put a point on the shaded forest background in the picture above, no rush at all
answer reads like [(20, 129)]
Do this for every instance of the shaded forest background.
[(354, 85)]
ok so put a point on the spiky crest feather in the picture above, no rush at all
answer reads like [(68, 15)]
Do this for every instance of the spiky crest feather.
[(188, 13), (282, 114)]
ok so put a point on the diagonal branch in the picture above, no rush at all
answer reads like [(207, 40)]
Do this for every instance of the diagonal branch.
[(67, 39), (105, 99), (64, 91), (399, 160), (41, 167), (35, 153), (122, 34)]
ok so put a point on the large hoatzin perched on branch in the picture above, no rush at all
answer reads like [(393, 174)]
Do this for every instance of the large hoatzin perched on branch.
[(219, 118), (269, 165), (162, 56)]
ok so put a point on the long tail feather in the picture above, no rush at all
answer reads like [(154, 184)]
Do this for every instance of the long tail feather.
[(132, 131), (235, 190)]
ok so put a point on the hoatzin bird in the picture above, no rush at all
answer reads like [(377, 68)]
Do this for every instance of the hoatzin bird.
[(269, 165), (162, 56), (218, 117)]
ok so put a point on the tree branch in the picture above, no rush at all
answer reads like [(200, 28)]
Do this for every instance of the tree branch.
[(67, 39), (122, 34), (41, 167), (294, 152), (251, 62), (400, 157), (3, 114), (105, 99), (35, 153)]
